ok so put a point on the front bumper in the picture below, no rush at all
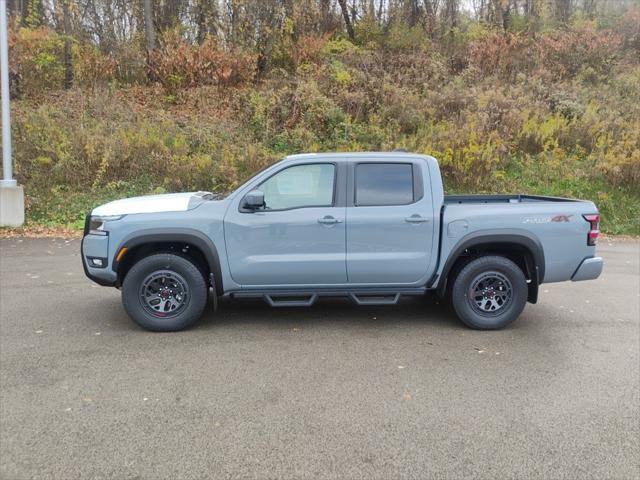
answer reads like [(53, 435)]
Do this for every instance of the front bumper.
[(97, 246), (589, 269)]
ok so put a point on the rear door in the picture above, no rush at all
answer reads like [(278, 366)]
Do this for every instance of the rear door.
[(390, 222)]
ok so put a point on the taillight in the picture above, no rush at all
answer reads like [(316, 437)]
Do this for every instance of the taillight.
[(594, 231)]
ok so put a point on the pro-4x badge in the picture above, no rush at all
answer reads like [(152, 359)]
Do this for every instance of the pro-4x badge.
[(548, 219), (561, 218)]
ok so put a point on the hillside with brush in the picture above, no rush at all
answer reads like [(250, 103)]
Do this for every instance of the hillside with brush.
[(509, 96)]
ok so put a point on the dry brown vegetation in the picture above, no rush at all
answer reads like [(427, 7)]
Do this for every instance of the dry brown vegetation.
[(536, 104)]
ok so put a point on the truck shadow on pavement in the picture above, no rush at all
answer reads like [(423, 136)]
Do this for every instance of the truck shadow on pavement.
[(428, 312), (409, 311), (424, 322)]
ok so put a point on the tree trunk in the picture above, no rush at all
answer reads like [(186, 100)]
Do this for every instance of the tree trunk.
[(347, 19), (430, 10), (150, 35), (325, 15), (563, 10), (201, 22), (149, 30), (206, 19), (450, 16), (68, 60), (414, 12), (589, 7)]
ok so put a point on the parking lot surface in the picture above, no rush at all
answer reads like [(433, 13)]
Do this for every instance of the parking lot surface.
[(333, 391)]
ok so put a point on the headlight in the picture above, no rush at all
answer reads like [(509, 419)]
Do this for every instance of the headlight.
[(97, 223)]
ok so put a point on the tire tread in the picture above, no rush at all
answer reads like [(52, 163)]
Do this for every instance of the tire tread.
[(197, 286), (460, 284)]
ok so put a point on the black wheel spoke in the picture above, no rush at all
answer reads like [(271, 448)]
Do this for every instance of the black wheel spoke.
[(164, 293), (490, 293)]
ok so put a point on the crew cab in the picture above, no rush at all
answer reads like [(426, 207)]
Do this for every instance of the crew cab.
[(369, 226)]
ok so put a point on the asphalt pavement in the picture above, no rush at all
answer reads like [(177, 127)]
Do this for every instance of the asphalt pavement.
[(332, 391)]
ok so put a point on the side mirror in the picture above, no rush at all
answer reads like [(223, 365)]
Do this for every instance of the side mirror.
[(254, 200)]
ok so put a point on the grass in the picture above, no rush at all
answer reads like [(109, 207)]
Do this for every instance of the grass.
[(619, 207)]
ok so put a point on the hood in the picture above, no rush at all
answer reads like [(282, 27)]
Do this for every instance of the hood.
[(169, 202)]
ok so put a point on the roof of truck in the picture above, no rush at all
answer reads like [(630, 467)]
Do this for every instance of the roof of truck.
[(386, 155)]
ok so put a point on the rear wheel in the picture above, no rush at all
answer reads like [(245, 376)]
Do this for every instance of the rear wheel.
[(489, 293), (164, 292)]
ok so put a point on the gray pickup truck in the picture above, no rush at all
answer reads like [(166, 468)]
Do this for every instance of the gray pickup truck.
[(368, 226)]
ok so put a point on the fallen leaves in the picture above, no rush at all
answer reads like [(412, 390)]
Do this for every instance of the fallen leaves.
[(33, 231)]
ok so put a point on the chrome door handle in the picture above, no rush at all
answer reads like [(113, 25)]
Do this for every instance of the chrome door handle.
[(329, 220), (416, 219)]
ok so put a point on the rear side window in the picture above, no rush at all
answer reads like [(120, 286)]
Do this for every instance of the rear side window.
[(384, 184)]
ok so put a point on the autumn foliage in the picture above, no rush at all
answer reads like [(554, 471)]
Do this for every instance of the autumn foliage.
[(554, 110)]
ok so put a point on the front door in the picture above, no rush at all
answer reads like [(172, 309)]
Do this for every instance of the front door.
[(390, 223), (298, 238)]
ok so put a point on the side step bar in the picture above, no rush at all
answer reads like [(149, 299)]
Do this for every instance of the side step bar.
[(290, 301), (299, 298), (375, 299)]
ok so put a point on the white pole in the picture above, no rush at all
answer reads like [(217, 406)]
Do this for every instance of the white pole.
[(7, 169)]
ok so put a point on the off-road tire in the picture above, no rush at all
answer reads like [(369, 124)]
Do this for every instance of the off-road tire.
[(474, 308), (189, 277)]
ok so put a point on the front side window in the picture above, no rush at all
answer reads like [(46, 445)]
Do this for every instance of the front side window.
[(300, 186), (384, 184)]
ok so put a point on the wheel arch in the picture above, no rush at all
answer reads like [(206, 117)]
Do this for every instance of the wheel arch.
[(153, 240), (518, 245)]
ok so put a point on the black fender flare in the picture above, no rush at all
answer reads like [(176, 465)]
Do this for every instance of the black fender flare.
[(511, 236), (181, 235)]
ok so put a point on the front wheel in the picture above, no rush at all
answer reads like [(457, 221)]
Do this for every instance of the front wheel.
[(489, 293), (164, 292)]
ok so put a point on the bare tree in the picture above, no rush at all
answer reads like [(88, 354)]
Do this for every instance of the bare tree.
[(451, 9), (562, 10), (431, 12), (150, 35), (347, 19), (206, 18), (149, 29), (325, 15), (68, 61), (589, 8), (413, 12)]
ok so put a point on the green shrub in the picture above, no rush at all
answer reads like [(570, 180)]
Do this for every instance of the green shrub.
[(37, 62)]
